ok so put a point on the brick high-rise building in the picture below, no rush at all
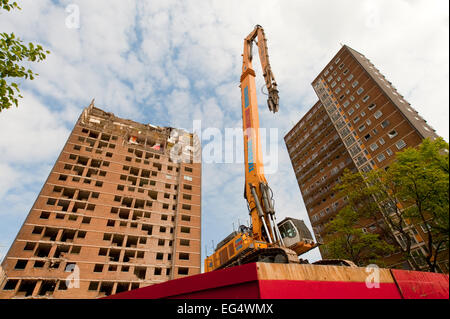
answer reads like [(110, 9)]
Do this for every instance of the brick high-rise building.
[(121, 209), (359, 123)]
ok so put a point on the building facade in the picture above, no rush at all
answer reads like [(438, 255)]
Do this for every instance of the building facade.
[(359, 123), (121, 209)]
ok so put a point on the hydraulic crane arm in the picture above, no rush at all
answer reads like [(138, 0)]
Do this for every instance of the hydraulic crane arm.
[(257, 192), (264, 241), (271, 84)]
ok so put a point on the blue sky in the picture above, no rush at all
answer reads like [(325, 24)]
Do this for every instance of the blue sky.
[(171, 62)]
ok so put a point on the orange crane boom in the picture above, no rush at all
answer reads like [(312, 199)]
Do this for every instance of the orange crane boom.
[(263, 241), (256, 187)]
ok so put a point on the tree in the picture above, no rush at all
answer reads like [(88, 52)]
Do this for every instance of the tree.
[(12, 52), (374, 199), (422, 178), (414, 191), (347, 240)]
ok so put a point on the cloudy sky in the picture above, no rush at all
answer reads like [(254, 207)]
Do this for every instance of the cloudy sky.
[(171, 62)]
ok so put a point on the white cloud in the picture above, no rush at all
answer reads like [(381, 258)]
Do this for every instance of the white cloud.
[(30, 133), (9, 177)]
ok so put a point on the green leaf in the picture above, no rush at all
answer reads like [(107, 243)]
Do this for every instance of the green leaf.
[(12, 52)]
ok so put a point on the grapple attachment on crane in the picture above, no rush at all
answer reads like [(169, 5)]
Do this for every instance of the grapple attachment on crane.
[(273, 99)]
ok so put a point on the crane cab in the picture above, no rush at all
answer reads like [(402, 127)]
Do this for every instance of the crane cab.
[(296, 235)]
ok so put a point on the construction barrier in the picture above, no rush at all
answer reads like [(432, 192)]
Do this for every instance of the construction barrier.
[(297, 281)]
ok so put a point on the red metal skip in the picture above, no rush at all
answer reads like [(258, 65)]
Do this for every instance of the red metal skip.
[(246, 282)]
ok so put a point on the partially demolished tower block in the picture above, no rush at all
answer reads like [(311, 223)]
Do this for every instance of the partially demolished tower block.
[(120, 210)]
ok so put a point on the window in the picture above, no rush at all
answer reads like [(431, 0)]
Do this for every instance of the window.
[(337, 60), (183, 271), (392, 134), (368, 122), (184, 256), (341, 66), (389, 152), (184, 242), (360, 160), (378, 114), (346, 103), (372, 106), (29, 246), (385, 123), (363, 113), (400, 144), (356, 119), (75, 250), (355, 84), (373, 146), (367, 137), (337, 90), (366, 98), (360, 90), (333, 84), (10, 284), (350, 112), (350, 77), (37, 230), (98, 268), (425, 228), (362, 128), (381, 141), (185, 230), (21, 264), (45, 215), (188, 178)]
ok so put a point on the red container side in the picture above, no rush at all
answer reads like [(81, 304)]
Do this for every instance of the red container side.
[(421, 285)]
